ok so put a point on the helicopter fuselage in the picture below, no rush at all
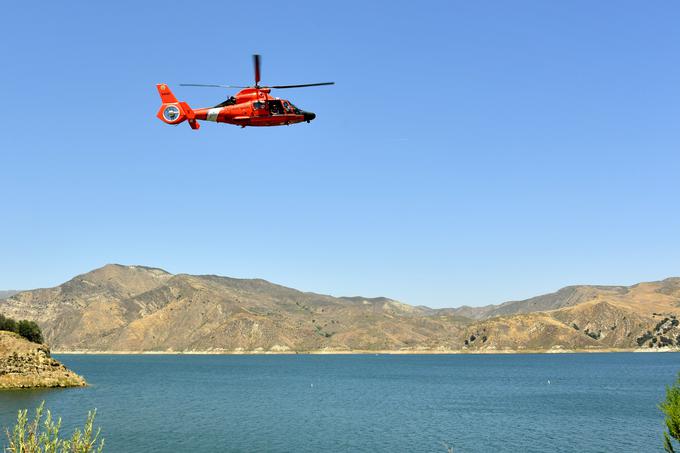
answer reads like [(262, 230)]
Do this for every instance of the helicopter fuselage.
[(249, 107)]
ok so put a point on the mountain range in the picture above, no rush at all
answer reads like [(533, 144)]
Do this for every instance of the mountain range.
[(120, 308)]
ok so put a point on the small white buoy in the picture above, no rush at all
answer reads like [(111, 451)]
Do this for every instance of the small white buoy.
[(311, 385), (548, 381)]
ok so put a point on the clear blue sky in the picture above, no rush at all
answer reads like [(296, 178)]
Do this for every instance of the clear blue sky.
[(470, 153)]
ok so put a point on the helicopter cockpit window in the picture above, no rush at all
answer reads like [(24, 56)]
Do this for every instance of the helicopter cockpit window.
[(257, 105), (286, 106)]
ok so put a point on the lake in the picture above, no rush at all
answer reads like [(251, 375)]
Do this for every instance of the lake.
[(389, 403)]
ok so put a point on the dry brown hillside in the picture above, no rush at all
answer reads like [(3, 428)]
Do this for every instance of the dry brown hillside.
[(589, 318), (136, 308)]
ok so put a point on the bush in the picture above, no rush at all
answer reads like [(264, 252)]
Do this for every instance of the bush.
[(30, 331), (671, 409), (27, 329), (643, 339), (8, 324), (43, 437)]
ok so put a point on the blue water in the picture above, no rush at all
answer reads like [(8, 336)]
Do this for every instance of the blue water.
[(306, 403)]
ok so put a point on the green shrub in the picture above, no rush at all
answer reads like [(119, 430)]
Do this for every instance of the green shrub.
[(40, 436), (8, 324), (671, 409), (30, 331), (27, 329)]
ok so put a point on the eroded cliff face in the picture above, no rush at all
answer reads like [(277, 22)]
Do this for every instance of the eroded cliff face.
[(29, 365)]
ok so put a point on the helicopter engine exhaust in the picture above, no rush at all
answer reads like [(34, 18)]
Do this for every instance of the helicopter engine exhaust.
[(172, 111)]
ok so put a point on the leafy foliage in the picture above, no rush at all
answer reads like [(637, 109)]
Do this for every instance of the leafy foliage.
[(27, 329), (30, 331), (38, 436), (8, 324), (671, 409)]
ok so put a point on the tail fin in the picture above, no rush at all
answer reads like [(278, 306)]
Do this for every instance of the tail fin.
[(172, 111)]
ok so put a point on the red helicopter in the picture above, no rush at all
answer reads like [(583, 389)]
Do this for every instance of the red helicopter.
[(252, 106)]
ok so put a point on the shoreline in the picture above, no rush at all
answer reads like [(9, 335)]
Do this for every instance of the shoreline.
[(377, 352)]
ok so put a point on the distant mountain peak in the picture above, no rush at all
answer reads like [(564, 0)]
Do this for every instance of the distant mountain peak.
[(111, 266)]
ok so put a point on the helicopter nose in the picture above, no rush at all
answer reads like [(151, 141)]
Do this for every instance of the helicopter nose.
[(309, 116)]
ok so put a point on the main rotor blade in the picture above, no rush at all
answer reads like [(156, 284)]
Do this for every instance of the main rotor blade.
[(211, 86), (256, 64), (279, 87)]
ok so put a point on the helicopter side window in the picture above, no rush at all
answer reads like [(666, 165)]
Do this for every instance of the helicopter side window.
[(257, 105), (275, 107), (286, 106), (230, 101)]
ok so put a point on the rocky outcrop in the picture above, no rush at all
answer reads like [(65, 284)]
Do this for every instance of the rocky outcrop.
[(28, 365)]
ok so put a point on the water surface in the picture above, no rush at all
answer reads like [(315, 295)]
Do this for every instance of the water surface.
[(390, 403)]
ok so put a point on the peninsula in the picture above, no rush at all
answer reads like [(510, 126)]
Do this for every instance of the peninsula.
[(24, 364)]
